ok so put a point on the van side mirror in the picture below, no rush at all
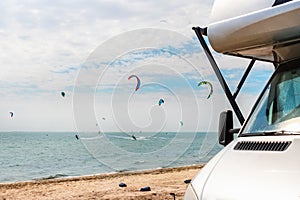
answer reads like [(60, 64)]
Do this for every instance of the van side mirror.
[(225, 128)]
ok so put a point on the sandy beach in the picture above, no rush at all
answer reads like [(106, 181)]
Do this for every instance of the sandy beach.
[(106, 186)]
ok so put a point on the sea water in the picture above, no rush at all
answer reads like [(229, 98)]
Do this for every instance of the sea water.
[(28, 156)]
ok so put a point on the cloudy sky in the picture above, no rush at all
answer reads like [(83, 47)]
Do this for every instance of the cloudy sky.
[(89, 48)]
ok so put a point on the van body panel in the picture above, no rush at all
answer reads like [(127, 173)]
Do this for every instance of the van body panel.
[(259, 34), (242, 174), (226, 9)]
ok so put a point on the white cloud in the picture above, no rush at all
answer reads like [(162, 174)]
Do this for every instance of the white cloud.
[(44, 44)]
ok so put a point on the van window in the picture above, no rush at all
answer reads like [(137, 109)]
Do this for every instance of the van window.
[(279, 106)]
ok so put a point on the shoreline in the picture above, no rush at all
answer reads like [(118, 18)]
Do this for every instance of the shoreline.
[(162, 182)]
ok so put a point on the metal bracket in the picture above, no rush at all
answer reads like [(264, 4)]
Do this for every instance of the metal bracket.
[(238, 88), (200, 32)]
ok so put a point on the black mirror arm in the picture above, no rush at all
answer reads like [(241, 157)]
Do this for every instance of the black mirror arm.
[(234, 130)]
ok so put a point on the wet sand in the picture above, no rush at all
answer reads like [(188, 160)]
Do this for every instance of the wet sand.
[(106, 186)]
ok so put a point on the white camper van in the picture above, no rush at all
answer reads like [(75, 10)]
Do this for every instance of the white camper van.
[(263, 161)]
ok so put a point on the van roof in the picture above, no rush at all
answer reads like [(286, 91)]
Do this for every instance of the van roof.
[(271, 34)]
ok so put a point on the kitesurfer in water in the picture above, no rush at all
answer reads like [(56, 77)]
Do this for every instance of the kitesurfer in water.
[(77, 137), (133, 137)]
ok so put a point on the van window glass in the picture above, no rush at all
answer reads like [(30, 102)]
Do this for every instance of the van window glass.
[(279, 106)]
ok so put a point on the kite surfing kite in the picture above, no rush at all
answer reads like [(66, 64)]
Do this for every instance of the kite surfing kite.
[(210, 85), (138, 81), (11, 114), (63, 94), (161, 101)]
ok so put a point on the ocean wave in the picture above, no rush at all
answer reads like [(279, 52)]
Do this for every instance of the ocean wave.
[(51, 177), (91, 138), (121, 137)]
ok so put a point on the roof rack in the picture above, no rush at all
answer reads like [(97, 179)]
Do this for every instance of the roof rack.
[(200, 32)]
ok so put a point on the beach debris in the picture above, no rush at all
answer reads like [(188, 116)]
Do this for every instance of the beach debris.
[(173, 194), (77, 137), (63, 94), (11, 114), (181, 123), (138, 81), (187, 181), (122, 184), (210, 85), (161, 101), (145, 189)]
